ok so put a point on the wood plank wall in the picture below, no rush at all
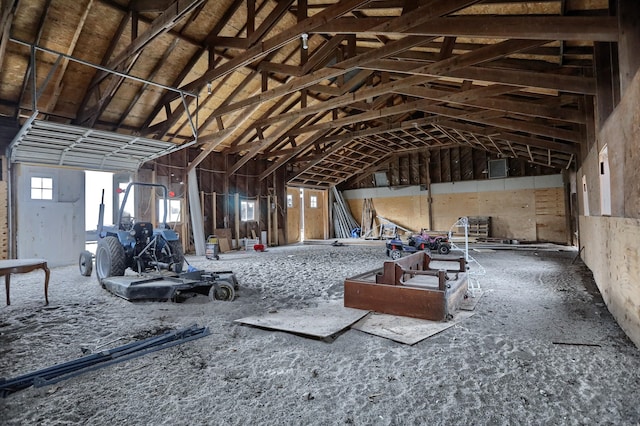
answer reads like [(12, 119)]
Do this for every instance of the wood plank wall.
[(213, 182), (440, 165)]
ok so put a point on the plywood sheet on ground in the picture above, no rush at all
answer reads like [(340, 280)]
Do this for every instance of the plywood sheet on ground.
[(405, 329), (322, 321), (469, 304), (224, 239)]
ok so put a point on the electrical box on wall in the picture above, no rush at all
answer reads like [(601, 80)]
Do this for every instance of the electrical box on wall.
[(498, 169)]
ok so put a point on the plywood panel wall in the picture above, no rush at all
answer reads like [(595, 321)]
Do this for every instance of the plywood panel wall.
[(610, 250), (410, 212), (518, 209), (551, 223), (293, 216), (4, 225), (524, 214), (448, 208)]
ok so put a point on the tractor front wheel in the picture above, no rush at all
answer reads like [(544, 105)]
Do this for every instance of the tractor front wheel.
[(110, 258), (85, 263)]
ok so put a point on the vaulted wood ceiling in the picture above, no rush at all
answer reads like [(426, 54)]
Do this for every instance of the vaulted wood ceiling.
[(515, 78)]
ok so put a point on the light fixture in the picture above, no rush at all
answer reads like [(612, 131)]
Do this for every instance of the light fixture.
[(305, 39), (209, 87)]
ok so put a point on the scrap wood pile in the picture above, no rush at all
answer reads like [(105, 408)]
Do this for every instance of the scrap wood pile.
[(369, 229), (345, 226)]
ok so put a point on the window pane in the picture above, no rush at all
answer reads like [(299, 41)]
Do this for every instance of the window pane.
[(247, 210), (41, 188), (250, 210), (243, 210), (174, 210), (174, 213)]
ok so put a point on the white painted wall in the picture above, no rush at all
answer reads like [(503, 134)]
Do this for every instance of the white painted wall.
[(50, 229)]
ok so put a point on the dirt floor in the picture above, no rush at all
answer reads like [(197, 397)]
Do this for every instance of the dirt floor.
[(541, 349)]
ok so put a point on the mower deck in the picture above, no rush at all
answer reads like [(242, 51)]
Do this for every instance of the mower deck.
[(159, 287)]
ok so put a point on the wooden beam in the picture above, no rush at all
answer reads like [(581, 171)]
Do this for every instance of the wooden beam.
[(480, 55), (485, 100), (126, 58), (506, 123), (323, 74), (503, 134), (57, 85), (520, 78), (7, 12), (149, 5), (551, 27), (275, 67), (360, 118), (267, 46), (167, 20), (267, 24)]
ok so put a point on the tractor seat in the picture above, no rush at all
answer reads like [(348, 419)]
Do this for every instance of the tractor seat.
[(143, 230)]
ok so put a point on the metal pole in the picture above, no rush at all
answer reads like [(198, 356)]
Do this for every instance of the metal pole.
[(96, 66)]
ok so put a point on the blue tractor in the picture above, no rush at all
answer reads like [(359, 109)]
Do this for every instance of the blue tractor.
[(134, 243)]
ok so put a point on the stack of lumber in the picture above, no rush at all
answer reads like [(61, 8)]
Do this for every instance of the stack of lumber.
[(343, 221)]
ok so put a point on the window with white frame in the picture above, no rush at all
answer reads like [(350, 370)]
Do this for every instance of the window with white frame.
[(41, 188), (247, 210), (289, 201), (174, 212), (313, 201), (605, 182)]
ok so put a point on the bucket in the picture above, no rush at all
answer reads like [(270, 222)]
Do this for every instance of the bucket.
[(211, 248)]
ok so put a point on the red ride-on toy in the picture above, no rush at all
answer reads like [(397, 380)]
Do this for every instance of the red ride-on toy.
[(439, 244)]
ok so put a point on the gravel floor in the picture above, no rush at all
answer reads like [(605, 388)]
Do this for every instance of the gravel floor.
[(541, 349)]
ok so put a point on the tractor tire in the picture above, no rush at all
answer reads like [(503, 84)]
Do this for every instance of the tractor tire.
[(110, 259), (444, 249), (85, 263), (178, 256), (395, 254)]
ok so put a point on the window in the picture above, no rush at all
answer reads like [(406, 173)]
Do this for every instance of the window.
[(247, 211), (498, 169), (381, 179), (175, 210), (41, 188), (313, 201), (585, 196), (289, 201)]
